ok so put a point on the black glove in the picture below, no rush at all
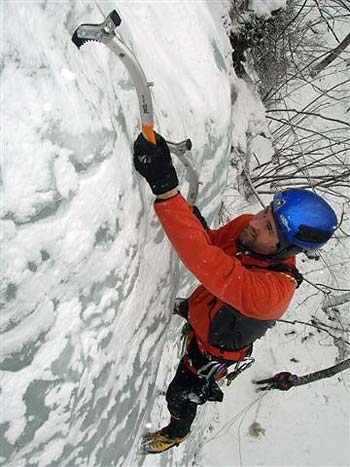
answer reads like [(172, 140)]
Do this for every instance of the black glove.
[(154, 163), (282, 381)]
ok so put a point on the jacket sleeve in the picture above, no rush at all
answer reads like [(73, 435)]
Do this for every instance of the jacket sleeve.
[(258, 293), (225, 233)]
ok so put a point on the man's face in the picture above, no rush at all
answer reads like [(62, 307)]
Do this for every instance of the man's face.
[(261, 234)]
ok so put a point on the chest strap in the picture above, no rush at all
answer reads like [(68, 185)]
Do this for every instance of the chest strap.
[(289, 271)]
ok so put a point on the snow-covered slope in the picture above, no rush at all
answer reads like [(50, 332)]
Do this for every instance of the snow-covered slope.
[(88, 278)]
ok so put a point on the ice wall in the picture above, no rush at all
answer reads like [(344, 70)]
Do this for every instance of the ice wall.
[(87, 276)]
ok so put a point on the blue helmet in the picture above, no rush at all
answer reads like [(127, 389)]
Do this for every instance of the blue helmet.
[(305, 221)]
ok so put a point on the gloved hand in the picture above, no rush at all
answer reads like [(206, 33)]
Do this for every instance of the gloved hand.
[(154, 163), (282, 381)]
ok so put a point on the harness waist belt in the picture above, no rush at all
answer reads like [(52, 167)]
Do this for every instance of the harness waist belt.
[(233, 355)]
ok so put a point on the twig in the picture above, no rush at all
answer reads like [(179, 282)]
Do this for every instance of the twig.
[(310, 113), (317, 327)]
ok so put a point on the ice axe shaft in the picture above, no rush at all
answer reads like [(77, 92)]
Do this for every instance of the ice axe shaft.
[(105, 32), (181, 150)]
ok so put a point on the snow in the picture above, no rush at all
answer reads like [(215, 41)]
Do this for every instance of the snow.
[(266, 7), (88, 278)]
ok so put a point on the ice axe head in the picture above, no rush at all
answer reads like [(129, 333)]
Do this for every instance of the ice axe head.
[(103, 32)]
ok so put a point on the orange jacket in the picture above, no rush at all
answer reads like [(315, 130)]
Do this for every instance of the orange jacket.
[(214, 259)]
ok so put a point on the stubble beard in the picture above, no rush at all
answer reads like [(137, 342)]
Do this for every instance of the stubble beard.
[(246, 238)]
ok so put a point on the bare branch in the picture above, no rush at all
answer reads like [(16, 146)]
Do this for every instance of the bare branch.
[(319, 326), (301, 112), (336, 301), (331, 57), (321, 374)]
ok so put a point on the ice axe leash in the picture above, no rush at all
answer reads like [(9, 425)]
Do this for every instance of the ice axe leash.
[(106, 33)]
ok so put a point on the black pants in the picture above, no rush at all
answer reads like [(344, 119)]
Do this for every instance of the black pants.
[(187, 391)]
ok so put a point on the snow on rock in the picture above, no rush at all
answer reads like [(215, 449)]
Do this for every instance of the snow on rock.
[(266, 7)]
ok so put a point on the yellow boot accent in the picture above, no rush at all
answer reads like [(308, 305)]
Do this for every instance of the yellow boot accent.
[(154, 443)]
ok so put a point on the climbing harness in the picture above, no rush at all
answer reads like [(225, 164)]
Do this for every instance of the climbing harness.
[(214, 369), (241, 366)]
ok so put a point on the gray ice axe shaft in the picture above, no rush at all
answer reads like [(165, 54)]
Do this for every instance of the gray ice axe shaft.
[(182, 151), (138, 77)]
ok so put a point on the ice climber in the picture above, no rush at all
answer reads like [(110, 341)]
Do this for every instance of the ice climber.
[(247, 274)]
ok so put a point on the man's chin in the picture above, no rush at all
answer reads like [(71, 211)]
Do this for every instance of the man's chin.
[(249, 245)]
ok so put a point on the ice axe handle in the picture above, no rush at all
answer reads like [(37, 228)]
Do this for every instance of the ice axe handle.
[(148, 132)]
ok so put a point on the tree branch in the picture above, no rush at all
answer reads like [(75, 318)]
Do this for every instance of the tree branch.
[(302, 112), (331, 57), (321, 374)]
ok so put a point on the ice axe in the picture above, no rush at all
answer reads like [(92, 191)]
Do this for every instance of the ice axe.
[(106, 33)]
